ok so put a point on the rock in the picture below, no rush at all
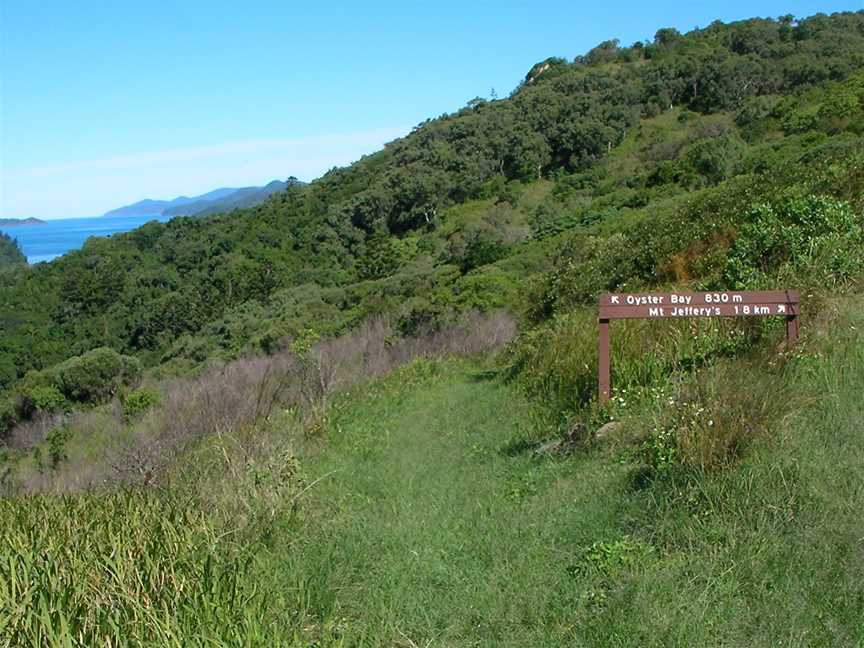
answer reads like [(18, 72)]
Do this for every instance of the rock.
[(608, 430), (550, 447), (575, 435)]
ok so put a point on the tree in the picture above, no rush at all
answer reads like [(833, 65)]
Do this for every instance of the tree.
[(380, 258), (10, 251)]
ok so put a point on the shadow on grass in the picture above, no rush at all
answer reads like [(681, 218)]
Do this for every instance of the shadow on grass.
[(486, 376), (641, 478), (517, 447)]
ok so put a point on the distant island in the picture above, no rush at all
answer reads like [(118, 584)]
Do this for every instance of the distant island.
[(219, 200), (10, 222)]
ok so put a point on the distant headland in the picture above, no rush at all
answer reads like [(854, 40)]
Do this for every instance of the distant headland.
[(9, 222), (217, 201)]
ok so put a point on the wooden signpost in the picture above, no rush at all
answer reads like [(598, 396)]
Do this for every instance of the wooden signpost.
[(775, 303)]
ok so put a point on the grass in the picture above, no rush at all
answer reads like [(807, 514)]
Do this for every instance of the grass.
[(124, 569), (425, 519)]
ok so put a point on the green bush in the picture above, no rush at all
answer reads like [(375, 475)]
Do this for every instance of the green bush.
[(485, 289), (816, 238), (713, 160), (96, 375), (381, 258), (45, 398), (419, 316), (589, 266), (8, 371), (57, 439), (8, 416), (139, 401)]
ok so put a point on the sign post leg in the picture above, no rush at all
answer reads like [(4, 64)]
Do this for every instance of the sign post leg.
[(791, 330), (603, 363)]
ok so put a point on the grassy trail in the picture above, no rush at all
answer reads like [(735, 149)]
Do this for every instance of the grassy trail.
[(437, 528)]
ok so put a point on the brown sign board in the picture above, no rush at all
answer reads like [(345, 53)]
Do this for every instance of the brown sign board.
[(747, 303)]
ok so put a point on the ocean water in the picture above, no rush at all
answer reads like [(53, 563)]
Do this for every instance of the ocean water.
[(53, 238)]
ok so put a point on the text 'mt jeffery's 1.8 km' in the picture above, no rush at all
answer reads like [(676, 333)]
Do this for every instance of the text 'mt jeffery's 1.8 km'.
[(782, 303)]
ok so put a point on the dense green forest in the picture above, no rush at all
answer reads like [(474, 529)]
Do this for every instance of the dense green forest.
[(364, 413)]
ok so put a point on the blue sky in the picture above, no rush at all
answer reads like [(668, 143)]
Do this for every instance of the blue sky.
[(106, 103)]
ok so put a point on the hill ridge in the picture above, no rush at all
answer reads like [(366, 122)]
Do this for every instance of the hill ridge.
[(222, 199)]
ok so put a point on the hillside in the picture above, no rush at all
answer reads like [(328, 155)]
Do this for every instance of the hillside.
[(422, 515), (146, 207), (364, 411)]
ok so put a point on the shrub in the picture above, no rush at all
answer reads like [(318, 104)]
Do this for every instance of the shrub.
[(810, 236), (96, 375), (713, 159), (57, 439), (801, 120), (8, 416), (8, 371), (549, 219), (45, 398), (139, 401), (418, 316), (381, 258), (589, 266), (37, 391), (485, 289)]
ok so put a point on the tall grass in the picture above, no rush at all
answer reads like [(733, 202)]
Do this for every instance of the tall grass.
[(130, 568), (710, 419)]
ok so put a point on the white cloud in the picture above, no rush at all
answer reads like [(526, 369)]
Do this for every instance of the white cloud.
[(91, 187)]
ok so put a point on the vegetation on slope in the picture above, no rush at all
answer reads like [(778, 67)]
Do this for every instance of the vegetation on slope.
[(439, 525)]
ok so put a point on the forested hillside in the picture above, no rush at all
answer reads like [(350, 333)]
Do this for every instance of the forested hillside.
[(617, 168)]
